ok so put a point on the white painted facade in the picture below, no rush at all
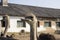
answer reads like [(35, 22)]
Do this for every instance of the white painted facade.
[(14, 28), (13, 25)]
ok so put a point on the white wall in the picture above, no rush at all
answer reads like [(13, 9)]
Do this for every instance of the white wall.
[(1, 17), (14, 28), (13, 25), (0, 24), (41, 28)]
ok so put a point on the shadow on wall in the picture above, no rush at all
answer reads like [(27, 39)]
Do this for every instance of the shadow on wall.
[(44, 36)]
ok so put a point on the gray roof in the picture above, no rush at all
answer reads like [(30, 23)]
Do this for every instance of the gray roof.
[(22, 10)]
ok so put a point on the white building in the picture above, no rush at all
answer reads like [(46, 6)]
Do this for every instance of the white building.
[(48, 19)]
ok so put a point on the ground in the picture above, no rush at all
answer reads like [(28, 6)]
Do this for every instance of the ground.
[(25, 36), (57, 36)]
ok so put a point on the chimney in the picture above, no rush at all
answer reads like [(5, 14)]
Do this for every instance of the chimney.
[(4, 2)]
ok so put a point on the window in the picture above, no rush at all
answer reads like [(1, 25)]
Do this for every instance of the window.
[(3, 23), (47, 24), (58, 24), (21, 24), (38, 24)]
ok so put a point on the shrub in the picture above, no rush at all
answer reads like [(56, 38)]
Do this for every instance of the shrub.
[(46, 37)]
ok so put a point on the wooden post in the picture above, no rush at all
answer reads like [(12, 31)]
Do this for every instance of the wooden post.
[(6, 25)]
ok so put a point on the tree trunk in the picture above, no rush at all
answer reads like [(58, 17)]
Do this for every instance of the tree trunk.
[(33, 31), (6, 25), (33, 27)]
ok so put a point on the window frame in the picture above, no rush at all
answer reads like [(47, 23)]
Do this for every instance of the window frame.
[(49, 25), (3, 24), (56, 24), (24, 24)]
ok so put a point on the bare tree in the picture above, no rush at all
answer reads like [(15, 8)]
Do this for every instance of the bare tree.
[(6, 25), (33, 27)]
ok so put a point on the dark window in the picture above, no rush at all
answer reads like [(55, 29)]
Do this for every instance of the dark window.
[(3, 23), (58, 24), (21, 24), (47, 24), (38, 24)]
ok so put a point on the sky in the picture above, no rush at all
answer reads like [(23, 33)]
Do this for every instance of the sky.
[(40, 3)]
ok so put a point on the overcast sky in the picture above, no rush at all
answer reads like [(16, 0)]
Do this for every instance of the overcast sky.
[(41, 3)]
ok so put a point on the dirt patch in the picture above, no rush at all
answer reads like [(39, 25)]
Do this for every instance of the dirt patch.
[(44, 36), (25, 36)]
